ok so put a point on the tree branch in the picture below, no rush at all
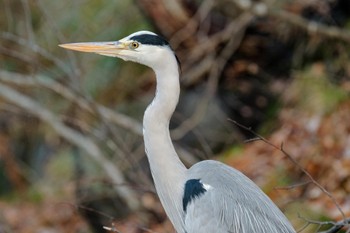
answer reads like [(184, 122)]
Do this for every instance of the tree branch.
[(42, 81), (313, 28), (74, 137), (215, 70), (92, 107), (336, 226)]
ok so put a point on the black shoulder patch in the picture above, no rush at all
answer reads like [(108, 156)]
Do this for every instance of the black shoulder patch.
[(193, 188), (150, 39)]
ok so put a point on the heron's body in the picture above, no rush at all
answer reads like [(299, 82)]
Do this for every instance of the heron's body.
[(224, 208), (210, 196)]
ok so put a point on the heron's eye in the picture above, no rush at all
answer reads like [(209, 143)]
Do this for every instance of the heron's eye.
[(134, 45)]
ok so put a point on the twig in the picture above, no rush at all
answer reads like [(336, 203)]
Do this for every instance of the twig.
[(336, 226), (209, 45), (293, 186), (89, 209), (112, 229), (280, 148), (188, 30)]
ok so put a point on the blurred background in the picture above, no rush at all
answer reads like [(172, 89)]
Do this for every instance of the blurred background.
[(71, 134)]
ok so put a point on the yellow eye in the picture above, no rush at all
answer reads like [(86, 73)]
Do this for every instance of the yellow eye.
[(134, 45)]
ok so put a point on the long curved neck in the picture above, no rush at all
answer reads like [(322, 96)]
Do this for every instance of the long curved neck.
[(167, 170)]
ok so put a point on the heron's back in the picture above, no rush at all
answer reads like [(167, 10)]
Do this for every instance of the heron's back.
[(231, 202)]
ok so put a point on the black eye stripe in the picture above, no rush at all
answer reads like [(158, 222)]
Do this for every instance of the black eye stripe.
[(148, 39)]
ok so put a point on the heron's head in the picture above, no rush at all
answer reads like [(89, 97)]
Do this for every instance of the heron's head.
[(142, 47)]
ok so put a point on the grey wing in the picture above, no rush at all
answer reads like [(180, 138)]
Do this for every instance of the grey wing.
[(231, 203)]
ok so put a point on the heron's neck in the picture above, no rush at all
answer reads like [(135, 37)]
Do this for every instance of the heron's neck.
[(167, 170), (159, 146)]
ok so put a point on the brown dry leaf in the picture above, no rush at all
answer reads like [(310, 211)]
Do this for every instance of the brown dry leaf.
[(320, 144)]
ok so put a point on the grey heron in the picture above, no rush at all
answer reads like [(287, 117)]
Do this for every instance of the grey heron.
[(209, 196)]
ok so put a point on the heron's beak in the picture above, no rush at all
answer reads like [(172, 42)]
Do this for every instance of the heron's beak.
[(111, 48)]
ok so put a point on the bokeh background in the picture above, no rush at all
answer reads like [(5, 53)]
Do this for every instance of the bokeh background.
[(71, 151)]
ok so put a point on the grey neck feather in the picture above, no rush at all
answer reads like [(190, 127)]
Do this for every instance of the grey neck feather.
[(167, 170)]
